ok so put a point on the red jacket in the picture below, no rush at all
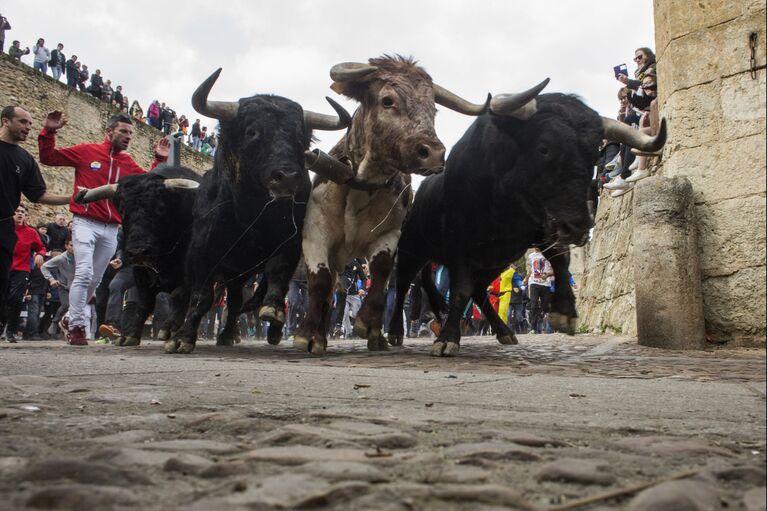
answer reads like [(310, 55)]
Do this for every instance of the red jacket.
[(27, 243), (95, 165)]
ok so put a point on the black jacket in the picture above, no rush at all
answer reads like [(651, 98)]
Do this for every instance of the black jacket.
[(57, 59)]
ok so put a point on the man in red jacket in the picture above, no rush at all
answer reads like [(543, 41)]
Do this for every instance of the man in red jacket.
[(28, 244), (94, 229)]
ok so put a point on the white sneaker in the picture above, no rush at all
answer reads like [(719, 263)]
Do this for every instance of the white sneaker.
[(622, 191), (634, 165), (616, 184), (638, 176), (614, 162)]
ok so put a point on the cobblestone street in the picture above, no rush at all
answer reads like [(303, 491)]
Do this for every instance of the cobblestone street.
[(554, 423)]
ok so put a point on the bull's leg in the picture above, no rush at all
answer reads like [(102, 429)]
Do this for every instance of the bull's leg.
[(278, 271), (228, 335), (311, 335), (407, 268), (255, 301), (448, 342), (563, 316), (131, 336), (200, 303), (502, 332), (369, 322), (179, 301)]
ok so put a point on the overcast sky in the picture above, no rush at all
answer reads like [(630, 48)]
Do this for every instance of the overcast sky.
[(163, 50)]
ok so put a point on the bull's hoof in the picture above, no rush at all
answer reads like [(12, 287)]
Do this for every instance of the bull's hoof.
[(171, 346), (563, 323), (163, 335), (437, 348), (185, 348), (131, 341), (270, 314), (300, 343), (313, 344), (361, 328), (508, 339), (224, 341), (377, 342), (451, 349), (120, 341), (395, 340), (319, 346), (274, 333)]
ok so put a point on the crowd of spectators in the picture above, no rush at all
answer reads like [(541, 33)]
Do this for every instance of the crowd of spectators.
[(619, 168), (78, 76)]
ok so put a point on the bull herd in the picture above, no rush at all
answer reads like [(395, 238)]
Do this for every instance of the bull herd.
[(520, 176)]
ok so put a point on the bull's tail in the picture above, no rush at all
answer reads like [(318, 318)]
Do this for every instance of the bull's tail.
[(436, 302)]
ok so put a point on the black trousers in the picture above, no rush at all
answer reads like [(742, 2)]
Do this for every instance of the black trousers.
[(7, 242), (540, 300), (14, 299)]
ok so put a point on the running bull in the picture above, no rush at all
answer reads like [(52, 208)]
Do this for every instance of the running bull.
[(509, 184)]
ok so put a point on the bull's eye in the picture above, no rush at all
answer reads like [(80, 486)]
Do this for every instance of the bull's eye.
[(387, 102), (252, 133), (543, 150)]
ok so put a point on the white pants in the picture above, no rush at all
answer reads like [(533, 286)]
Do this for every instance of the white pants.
[(94, 243)]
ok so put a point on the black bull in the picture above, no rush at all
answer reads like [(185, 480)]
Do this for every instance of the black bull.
[(508, 185), (156, 209)]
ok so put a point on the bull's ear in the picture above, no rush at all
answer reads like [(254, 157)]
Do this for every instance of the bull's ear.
[(352, 90)]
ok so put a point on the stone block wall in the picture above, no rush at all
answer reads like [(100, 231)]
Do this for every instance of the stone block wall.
[(22, 86), (716, 114)]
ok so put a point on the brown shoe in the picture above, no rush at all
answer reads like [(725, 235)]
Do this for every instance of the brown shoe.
[(110, 331)]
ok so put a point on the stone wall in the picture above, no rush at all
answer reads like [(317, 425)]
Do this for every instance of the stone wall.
[(22, 86), (716, 115)]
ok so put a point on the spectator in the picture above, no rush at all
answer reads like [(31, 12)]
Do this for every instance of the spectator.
[(58, 62), (538, 272), (183, 124), (166, 117), (16, 52), (73, 72), (58, 232), (59, 271), (28, 245), (153, 114), (136, 112), (4, 25), (647, 124), (645, 61), (117, 97), (42, 230), (97, 84), (42, 56), (83, 77), (106, 92), (35, 300), (196, 135), (19, 174), (95, 226)]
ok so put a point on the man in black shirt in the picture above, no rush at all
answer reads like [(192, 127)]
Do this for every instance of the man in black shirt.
[(57, 233), (19, 174)]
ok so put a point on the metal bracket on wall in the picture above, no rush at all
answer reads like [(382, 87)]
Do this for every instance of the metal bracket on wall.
[(752, 44)]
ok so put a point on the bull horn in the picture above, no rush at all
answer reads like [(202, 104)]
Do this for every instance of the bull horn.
[(328, 167), (317, 121), (520, 105), (348, 71), (444, 97), (221, 110), (84, 196), (620, 132), (181, 183)]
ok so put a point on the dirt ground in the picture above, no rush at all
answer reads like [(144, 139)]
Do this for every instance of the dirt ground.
[(555, 423)]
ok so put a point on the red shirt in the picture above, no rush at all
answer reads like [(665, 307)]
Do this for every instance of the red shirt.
[(28, 242), (95, 165)]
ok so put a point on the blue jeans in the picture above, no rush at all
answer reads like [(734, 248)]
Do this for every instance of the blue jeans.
[(34, 305), (40, 66), (57, 72)]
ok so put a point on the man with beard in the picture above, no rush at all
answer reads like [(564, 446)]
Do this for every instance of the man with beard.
[(19, 174), (94, 230)]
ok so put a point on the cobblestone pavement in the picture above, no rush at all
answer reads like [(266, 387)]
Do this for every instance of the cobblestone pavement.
[(556, 422)]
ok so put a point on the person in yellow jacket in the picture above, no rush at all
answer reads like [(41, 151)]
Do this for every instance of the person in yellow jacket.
[(505, 293)]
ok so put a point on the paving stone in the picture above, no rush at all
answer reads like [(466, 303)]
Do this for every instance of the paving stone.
[(681, 495), (125, 437), (570, 470), (187, 463), (291, 491), (346, 436), (755, 498), (127, 456), (300, 454), (744, 473), (530, 440), (209, 446), (483, 493), (10, 465), (462, 474), (225, 469), (86, 472), (82, 496), (670, 446), (344, 471), (490, 451)]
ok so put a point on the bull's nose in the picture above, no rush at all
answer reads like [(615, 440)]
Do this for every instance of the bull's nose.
[(430, 155)]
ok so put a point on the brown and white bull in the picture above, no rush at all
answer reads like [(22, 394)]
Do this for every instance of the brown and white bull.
[(391, 136)]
